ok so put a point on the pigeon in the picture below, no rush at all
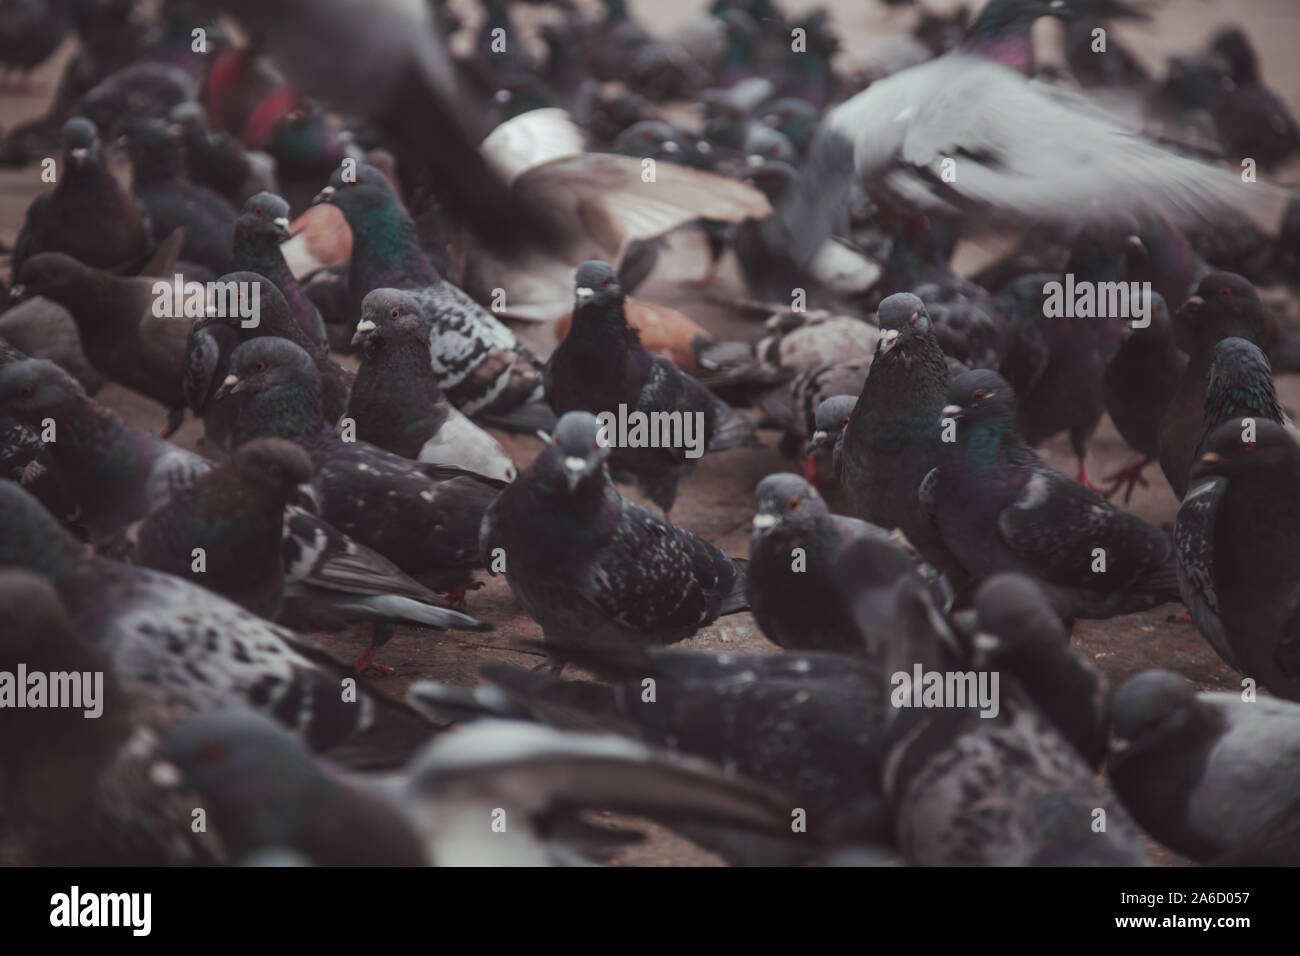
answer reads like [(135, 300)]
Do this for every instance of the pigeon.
[(832, 417), (87, 216), (1241, 386), (1018, 634), (223, 531), (592, 567), (76, 786), (535, 779), (161, 186), (123, 335), (602, 368), (398, 68), (216, 160), (981, 777), (1138, 384), (1236, 537), (1225, 306), (1211, 776), (426, 526), (115, 472), (477, 360), (261, 789), (968, 132), (1252, 120), (159, 630), (806, 722), (216, 335), (262, 225), (144, 90), (31, 30), (396, 403), (998, 508), (40, 328), (792, 555), (891, 441)]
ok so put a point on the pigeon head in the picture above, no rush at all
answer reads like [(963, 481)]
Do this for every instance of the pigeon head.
[(580, 448), (272, 463), (785, 498), (233, 304), (832, 417), (767, 144), (248, 767), (794, 118), (31, 389), (356, 189), (1147, 711), (1225, 304), (51, 274), (264, 214), (1248, 446), (1161, 326), (1232, 44), (154, 148), (1013, 613), (188, 116), (31, 538), (980, 397), (903, 318), (81, 146), (264, 364), (596, 289), (385, 312), (653, 139)]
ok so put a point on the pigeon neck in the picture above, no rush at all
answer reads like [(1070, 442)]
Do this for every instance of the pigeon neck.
[(100, 456), (291, 411), (991, 455), (257, 250), (386, 252)]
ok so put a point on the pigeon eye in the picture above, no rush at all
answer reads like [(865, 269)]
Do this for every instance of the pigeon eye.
[(28, 391), (259, 366), (212, 752), (394, 314), (980, 395), (257, 211), (274, 469), (844, 420), (1225, 293), (607, 283), (794, 504)]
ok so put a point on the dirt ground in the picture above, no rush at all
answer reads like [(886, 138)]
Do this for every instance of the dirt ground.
[(717, 502)]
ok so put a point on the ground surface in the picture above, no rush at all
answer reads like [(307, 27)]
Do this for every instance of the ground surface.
[(718, 501)]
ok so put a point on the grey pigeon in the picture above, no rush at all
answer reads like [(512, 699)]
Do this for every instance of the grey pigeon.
[(999, 507), (592, 567), (792, 555), (159, 630), (1211, 776), (1236, 536), (262, 224), (602, 368), (1018, 633), (396, 402), (892, 439), (805, 722), (1225, 306), (77, 789), (122, 335), (979, 780)]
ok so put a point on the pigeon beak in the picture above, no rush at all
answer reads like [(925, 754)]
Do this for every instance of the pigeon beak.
[(575, 469), (164, 773), (325, 195), (228, 387), (582, 293), (1212, 457), (1119, 748), (78, 155), (762, 521), (951, 411), (888, 339), (1137, 245), (364, 328), (16, 292), (818, 440), (282, 227), (983, 647), (1191, 305)]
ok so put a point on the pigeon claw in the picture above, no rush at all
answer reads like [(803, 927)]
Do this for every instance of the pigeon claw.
[(456, 598), (366, 662), (1128, 478), (1084, 479)]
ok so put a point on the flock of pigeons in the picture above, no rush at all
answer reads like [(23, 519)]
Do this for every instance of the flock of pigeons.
[(351, 253)]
